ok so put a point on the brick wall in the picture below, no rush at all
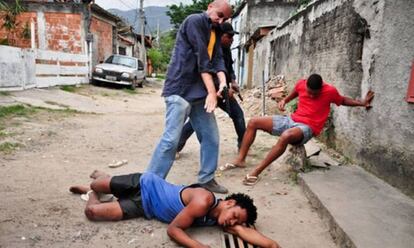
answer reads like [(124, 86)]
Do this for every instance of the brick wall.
[(102, 32), (63, 32), (15, 37)]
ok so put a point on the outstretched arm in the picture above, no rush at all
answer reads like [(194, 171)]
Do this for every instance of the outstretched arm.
[(362, 103), (252, 236), (197, 207)]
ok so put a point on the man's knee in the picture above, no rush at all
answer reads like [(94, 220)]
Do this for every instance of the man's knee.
[(291, 136), (90, 212), (253, 123)]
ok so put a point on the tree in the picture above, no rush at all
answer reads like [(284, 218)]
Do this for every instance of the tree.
[(178, 13), (156, 58)]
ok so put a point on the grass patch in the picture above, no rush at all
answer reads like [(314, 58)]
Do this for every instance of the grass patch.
[(3, 133), (8, 147), (294, 176), (129, 91), (69, 88), (15, 110), (4, 93), (160, 76)]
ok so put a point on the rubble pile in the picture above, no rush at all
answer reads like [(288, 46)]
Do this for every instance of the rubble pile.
[(253, 102)]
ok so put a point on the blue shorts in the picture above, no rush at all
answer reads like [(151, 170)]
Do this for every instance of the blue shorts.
[(282, 123)]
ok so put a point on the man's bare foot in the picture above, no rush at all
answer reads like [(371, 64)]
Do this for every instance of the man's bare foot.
[(240, 164), (229, 166), (96, 173), (79, 189)]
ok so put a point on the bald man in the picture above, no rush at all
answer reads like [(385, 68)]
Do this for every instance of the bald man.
[(189, 92)]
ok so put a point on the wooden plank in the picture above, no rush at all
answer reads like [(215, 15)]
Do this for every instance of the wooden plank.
[(43, 69), (67, 57)]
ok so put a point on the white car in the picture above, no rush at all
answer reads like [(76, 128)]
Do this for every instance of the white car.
[(120, 69)]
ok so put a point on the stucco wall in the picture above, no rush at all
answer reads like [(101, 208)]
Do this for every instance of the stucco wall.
[(356, 46), (16, 68), (268, 12)]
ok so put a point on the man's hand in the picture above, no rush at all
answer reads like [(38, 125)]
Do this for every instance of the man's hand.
[(251, 236), (220, 91), (231, 92), (235, 86), (368, 98), (211, 102), (281, 105)]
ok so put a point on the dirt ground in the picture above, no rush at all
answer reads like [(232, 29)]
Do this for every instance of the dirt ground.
[(61, 148)]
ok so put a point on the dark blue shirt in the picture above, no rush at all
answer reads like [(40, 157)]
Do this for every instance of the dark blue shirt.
[(190, 58)]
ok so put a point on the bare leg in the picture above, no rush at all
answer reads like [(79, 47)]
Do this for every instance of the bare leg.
[(95, 210), (96, 173), (290, 136), (256, 123)]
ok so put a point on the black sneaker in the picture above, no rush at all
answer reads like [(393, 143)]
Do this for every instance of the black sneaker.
[(213, 186)]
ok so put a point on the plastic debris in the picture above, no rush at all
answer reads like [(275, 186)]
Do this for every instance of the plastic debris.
[(116, 164)]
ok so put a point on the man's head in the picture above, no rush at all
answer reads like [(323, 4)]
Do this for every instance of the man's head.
[(238, 209), (219, 11), (227, 34), (314, 85)]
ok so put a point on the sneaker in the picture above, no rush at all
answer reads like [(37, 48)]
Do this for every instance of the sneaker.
[(213, 186)]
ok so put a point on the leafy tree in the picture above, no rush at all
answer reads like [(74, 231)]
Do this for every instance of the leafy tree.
[(178, 13), (167, 43), (156, 58)]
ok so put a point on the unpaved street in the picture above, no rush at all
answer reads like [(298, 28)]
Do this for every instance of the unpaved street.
[(62, 148)]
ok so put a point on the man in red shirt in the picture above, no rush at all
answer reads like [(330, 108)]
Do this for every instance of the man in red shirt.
[(315, 98)]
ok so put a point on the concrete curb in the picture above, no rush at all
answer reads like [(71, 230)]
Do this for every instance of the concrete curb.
[(339, 236)]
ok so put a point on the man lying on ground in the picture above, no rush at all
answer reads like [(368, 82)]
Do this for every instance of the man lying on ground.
[(147, 195), (315, 98)]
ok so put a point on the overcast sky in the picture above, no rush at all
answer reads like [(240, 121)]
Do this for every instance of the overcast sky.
[(133, 4)]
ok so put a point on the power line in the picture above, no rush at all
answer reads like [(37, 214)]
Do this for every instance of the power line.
[(127, 5)]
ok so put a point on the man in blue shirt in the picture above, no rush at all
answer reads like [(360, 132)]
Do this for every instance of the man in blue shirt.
[(189, 92), (147, 195)]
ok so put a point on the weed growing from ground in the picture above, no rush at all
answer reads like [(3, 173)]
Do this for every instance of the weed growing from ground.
[(8, 147)]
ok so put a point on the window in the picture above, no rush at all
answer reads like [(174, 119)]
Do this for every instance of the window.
[(122, 50)]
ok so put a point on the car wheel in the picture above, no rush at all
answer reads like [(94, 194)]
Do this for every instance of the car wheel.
[(133, 84), (95, 82), (140, 85)]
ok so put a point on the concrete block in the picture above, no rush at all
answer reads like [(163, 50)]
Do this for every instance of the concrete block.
[(361, 210)]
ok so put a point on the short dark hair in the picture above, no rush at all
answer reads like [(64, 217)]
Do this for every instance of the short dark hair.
[(244, 201), (314, 82)]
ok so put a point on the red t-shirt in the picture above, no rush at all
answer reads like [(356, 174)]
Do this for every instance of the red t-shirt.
[(315, 111)]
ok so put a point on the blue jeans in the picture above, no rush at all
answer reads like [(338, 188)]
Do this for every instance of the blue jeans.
[(205, 126), (236, 114), (282, 123)]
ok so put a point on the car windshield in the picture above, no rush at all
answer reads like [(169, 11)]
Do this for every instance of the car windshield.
[(118, 60)]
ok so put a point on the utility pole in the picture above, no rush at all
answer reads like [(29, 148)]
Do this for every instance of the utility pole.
[(158, 32), (143, 54)]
